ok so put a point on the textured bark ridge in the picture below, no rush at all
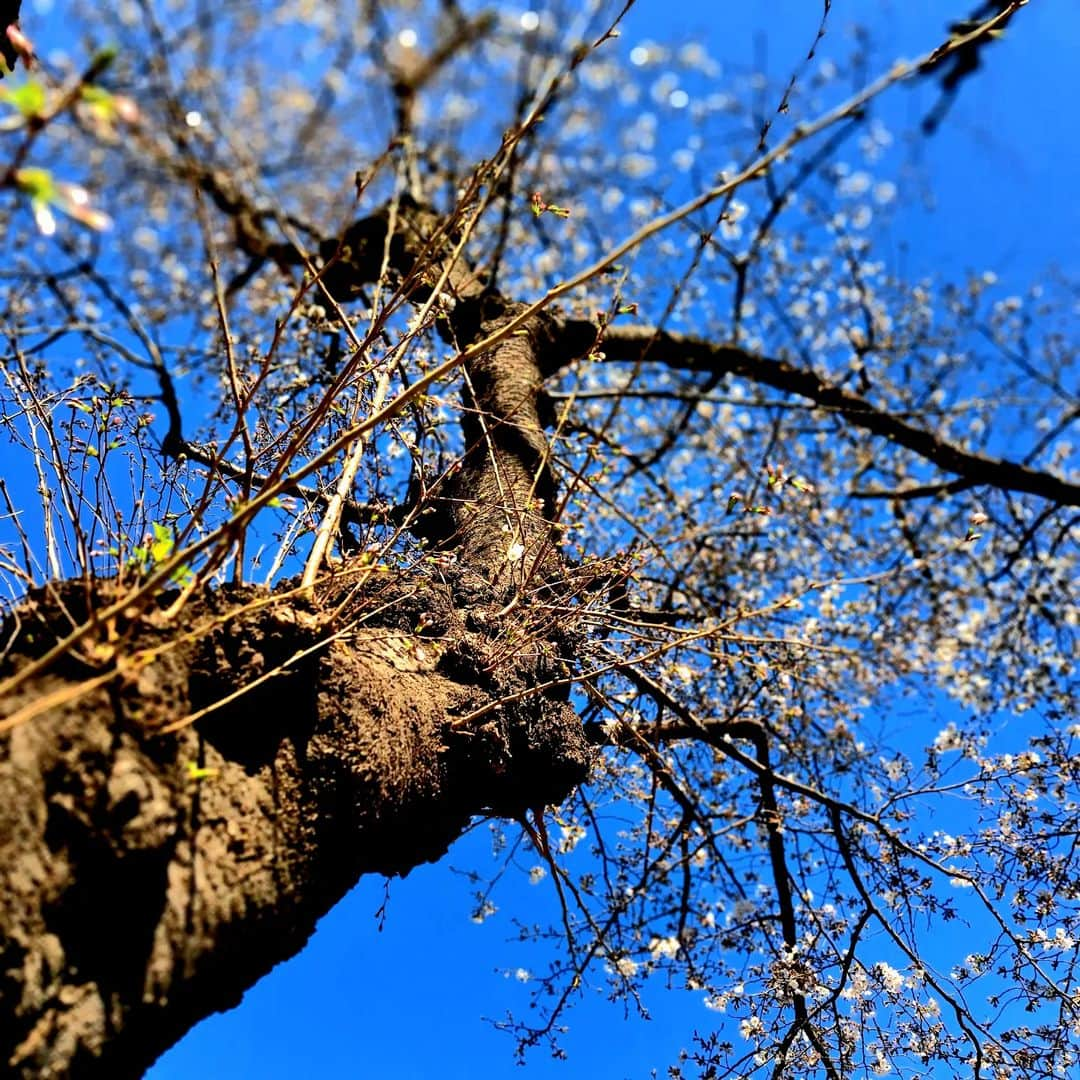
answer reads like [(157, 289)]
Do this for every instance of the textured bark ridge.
[(500, 506), (147, 879)]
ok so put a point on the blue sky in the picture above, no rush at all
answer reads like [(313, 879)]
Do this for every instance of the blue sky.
[(995, 189)]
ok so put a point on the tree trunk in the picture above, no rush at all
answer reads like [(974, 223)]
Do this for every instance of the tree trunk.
[(198, 787), (148, 878)]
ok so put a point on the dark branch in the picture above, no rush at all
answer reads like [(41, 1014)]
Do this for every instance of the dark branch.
[(634, 343)]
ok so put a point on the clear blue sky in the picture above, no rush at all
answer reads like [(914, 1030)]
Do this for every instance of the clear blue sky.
[(408, 1002)]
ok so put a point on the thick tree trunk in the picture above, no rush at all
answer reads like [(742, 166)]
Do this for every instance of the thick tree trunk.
[(148, 878), (198, 788)]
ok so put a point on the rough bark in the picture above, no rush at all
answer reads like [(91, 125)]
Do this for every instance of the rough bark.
[(497, 510), (148, 878), (152, 868)]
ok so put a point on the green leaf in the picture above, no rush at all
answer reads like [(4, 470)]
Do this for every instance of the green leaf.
[(182, 575), (28, 98), (162, 545), (96, 95), (99, 102), (37, 183), (104, 57)]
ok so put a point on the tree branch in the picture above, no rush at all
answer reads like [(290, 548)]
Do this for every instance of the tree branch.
[(634, 343)]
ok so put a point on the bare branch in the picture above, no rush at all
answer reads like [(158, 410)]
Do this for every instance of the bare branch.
[(689, 353)]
